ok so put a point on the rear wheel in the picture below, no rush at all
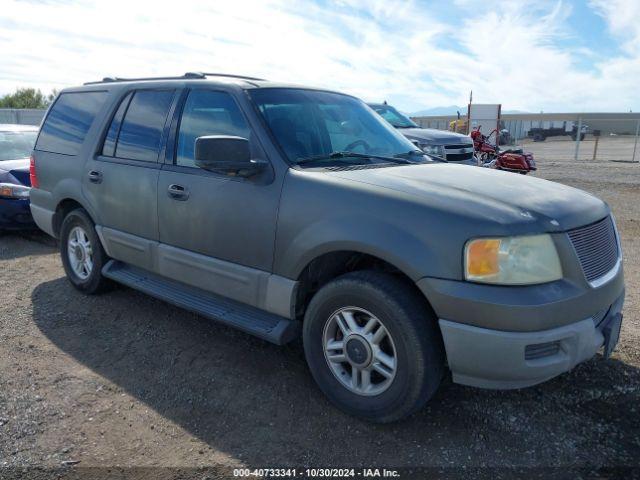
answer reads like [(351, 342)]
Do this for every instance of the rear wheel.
[(373, 346), (82, 254)]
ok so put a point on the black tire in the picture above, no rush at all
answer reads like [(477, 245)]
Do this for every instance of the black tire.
[(95, 282), (538, 137), (416, 336)]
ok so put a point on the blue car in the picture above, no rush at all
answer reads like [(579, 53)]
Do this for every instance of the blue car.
[(16, 144)]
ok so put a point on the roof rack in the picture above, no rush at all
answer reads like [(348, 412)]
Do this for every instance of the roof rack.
[(186, 76), (242, 77)]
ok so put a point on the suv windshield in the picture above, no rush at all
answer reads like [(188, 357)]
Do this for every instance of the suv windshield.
[(394, 117), (16, 145), (315, 127)]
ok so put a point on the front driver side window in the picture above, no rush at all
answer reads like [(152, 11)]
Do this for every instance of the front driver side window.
[(207, 113)]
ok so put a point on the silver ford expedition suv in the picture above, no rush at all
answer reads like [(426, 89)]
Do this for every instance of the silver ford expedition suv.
[(285, 211)]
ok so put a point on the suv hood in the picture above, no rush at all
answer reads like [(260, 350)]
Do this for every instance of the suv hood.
[(434, 136), (507, 203)]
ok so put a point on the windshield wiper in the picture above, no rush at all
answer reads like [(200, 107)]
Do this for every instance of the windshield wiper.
[(346, 154), (420, 153), (416, 152), (410, 153)]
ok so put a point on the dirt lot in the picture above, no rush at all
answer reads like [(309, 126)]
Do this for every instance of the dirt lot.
[(123, 379)]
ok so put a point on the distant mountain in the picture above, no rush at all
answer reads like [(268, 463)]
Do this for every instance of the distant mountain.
[(450, 110), (431, 112)]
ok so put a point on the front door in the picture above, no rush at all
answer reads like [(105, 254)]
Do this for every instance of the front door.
[(216, 232)]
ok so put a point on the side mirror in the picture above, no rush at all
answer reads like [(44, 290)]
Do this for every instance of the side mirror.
[(226, 154)]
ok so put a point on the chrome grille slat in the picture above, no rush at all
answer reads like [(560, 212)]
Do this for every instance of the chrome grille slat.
[(596, 247), (452, 152)]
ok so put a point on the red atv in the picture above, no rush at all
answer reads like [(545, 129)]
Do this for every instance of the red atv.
[(490, 156)]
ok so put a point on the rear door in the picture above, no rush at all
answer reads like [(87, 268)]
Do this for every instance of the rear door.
[(121, 180)]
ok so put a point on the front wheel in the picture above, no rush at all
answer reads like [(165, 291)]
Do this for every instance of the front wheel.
[(82, 254), (373, 346)]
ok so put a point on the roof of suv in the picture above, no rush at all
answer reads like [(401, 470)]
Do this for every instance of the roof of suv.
[(241, 81)]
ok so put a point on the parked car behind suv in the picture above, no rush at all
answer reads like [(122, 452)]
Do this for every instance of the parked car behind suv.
[(286, 211), (449, 146), (16, 144)]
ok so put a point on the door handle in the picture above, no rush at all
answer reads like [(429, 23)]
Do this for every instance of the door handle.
[(178, 192), (95, 176)]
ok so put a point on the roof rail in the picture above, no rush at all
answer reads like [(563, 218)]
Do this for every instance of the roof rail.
[(188, 75), (242, 77)]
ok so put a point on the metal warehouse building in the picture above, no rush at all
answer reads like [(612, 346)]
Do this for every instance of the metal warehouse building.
[(519, 124)]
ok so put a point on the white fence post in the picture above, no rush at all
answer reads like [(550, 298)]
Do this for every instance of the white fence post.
[(578, 135), (635, 144)]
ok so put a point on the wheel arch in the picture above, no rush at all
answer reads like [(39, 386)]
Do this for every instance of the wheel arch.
[(329, 265), (63, 208)]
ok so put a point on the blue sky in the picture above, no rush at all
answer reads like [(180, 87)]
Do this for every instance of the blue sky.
[(551, 55)]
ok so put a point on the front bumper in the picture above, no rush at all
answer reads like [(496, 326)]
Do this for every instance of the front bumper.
[(15, 214), (488, 358)]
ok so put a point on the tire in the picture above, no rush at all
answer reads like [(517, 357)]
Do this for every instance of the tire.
[(538, 137), (75, 222), (412, 335)]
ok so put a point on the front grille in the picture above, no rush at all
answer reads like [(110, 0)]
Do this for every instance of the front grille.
[(596, 247), (541, 350), (458, 157), (459, 152)]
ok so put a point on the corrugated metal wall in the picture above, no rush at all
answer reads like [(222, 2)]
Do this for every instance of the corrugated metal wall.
[(26, 116)]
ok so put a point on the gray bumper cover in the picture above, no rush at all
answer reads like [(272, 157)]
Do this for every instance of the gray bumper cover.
[(43, 218), (488, 358)]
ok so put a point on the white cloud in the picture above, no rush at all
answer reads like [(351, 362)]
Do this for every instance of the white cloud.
[(377, 49), (623, 19)]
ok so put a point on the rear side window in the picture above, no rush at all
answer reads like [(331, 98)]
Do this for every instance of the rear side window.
[(109, 147), (143, 124), (68, 122)]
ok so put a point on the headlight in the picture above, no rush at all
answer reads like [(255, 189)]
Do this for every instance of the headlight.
[(437, 150), (522, 260), (9, 190)]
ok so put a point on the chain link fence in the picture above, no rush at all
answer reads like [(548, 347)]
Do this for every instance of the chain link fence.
[(603, 137)]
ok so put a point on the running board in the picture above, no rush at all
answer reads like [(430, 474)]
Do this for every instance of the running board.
[(262, 324)]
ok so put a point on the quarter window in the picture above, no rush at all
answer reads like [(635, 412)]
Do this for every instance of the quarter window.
[(68, 122), (109, 147), (207, 113), (141, 131)]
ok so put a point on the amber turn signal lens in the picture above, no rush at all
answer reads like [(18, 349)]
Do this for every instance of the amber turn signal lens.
[(482, 257)]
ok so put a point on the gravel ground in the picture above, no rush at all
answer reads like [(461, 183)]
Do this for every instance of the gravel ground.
[(122, 379)]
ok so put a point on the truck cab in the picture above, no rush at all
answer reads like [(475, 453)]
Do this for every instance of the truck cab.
[(449, 146)]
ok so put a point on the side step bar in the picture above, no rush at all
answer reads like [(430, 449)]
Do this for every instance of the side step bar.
[(265, 325)]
